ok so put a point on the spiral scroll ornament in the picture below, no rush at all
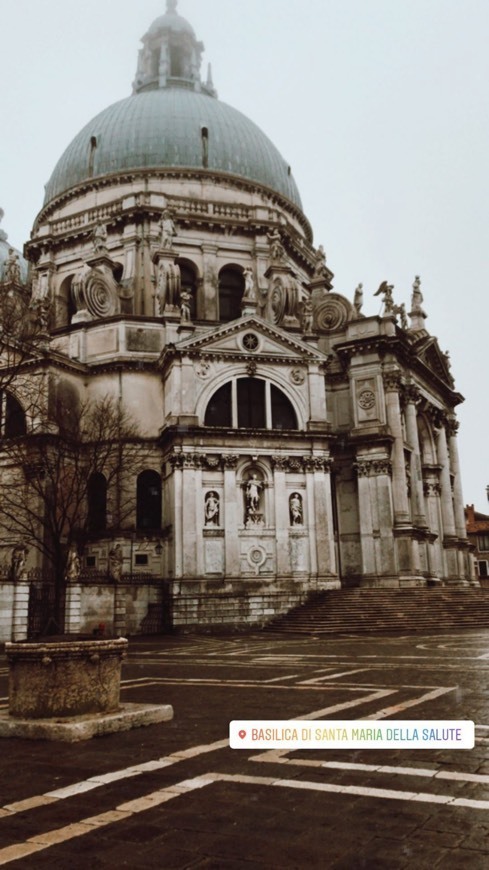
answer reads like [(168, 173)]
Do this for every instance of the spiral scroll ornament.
[(101, 298), (333, 313), (277, 301), (95, 292)]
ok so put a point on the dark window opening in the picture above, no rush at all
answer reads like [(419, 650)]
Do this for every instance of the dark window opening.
[(177, 68), (251, 404), (283, 414), (141, 559), (118, 272), (91, 156), (97, 503), (90, 562), (205, 147), (14, 424), (148, 513), (219, 411), (482, 568), (155, 62), (231, 288)]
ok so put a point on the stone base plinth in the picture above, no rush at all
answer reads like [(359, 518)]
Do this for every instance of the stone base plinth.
[(85, 727)]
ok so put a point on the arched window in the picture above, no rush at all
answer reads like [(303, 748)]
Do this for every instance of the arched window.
[(218, 411), (231, 289), (97, 503), (12, 417), (283, 414), (148, 512), (250, 403)]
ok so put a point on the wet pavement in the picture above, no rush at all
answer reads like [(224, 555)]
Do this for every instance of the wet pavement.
[(175, 795)]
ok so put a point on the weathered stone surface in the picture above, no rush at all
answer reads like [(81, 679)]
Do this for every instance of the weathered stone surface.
[(84, 727), (67, 678)]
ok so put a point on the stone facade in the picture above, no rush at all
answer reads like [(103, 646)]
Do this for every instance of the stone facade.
[(298, 444)]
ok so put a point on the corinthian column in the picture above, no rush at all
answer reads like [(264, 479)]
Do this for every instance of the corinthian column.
[(447, 514), (399, 481), (458, 503), (412, 396)]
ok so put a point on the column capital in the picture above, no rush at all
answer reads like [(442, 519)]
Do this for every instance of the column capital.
[(392, 380), (230, 460)]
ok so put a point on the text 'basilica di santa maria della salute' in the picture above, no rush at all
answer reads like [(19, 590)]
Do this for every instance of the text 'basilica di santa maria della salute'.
[(276, 440)]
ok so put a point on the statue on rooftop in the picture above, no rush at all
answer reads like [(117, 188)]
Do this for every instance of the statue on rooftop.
[(12, 268), (385, 290), (320, 268), (277, 251), (358, 299), (417, 296), (167, 229), (99, 238)]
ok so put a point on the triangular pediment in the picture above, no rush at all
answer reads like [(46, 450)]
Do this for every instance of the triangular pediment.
[(435, 360), (251, 335)]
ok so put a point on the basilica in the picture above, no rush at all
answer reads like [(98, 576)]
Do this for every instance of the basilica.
[(288, 441)]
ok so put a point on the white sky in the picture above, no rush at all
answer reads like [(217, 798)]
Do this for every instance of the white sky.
[(380, 107)]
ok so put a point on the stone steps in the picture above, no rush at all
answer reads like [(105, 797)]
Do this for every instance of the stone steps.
[(384, 610)]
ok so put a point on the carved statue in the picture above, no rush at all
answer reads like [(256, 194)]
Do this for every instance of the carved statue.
[(320, 269), (401, 311), (358, 299), (253, 491), (295, 509), (73, 566), (307, 317), (19, 559), (168, 285), (167, 229), (115, 563), (185, 297), (385, 290), (12, 268), (212, 509), (99, 238), (249, 288), (417, 297), (277, 251)]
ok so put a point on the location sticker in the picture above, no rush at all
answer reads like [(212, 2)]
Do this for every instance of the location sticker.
[(347, 734)]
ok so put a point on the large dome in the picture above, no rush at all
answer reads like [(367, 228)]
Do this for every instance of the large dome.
[(164, 128)]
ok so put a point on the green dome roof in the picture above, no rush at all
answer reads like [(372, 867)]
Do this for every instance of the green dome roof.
[(162, 128)]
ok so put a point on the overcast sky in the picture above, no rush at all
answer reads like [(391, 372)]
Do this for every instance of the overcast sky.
[(380, 107)]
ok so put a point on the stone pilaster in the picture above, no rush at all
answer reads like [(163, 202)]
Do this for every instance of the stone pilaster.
[(319, 467), (279, 464), (176, 462), (234, 516), (191, 490), (376, 521)]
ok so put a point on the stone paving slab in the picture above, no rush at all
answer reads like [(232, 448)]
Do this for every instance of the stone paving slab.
[(175, 794)]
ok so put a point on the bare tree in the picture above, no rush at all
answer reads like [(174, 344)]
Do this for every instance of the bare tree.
[(45, 475), (23, 332)]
